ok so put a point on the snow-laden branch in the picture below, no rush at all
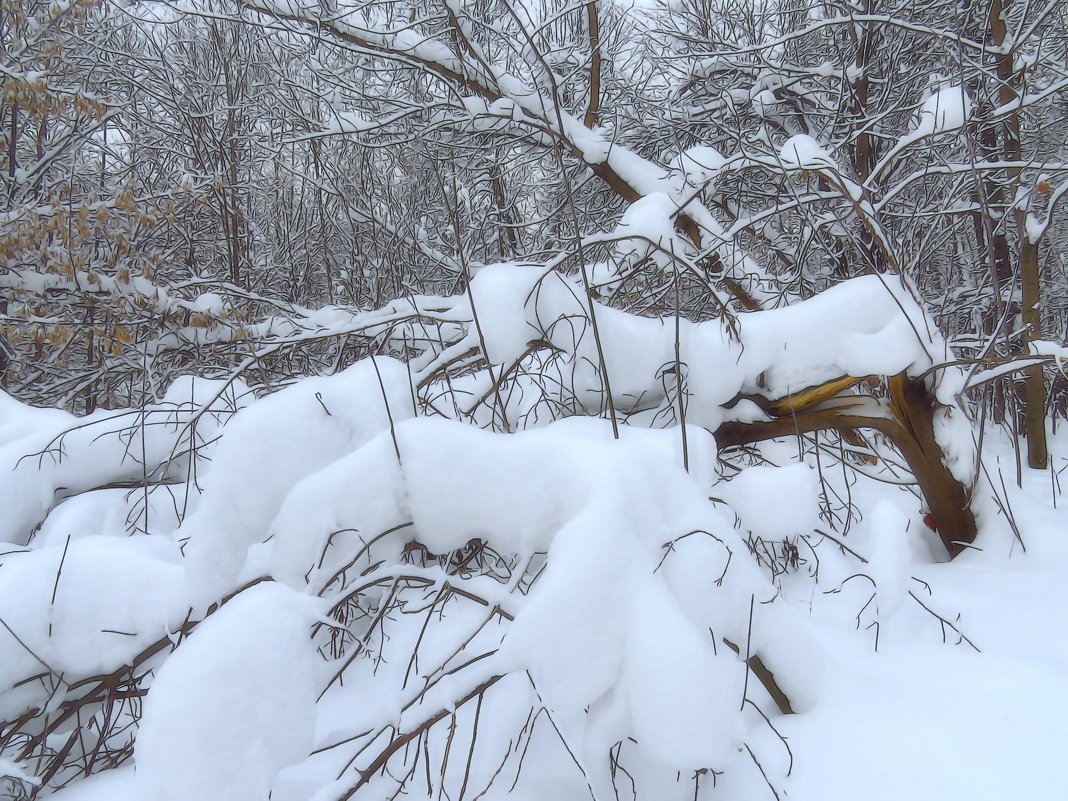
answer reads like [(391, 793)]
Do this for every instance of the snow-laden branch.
[(866, 326), (48, 458), (572, 491), (947, 110), (630, 542), (951, 37), (499, 93)]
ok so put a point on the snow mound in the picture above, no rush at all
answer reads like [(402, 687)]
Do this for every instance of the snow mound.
[(234, 704), (602, 618), (271, 446), (775, 502), (83, 610)]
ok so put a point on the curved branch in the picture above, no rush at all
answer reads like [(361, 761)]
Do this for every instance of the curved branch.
[(907, 421)]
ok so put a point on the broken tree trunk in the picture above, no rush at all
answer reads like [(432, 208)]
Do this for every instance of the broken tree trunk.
[(907, 420)]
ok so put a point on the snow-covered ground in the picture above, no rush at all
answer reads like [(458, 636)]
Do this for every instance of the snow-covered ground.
[(566, 626)]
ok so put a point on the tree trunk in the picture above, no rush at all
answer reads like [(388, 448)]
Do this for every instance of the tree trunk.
[(907, 421), (1009, 83), (1034, 382), (863, 154)]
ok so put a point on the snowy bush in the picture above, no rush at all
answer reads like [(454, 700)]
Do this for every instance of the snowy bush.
[(355, 599)]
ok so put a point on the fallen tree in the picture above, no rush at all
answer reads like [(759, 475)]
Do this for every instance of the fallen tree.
[(906, 420), (745, 378)]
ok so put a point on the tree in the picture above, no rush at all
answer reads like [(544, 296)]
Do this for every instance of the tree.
[(713, 235)]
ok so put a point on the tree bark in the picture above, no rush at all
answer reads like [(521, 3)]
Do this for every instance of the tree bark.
[(863, 154), (907, 421), (1009, 84)]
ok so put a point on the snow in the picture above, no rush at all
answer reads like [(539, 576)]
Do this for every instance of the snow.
[(17, 771), (119, 784), (1043, 347), (983, 729), (946, 109), (570, 489), (700, 164), (774, 502), (109, 512), (890, 560), (870, 325), (499, 300), (1035, 228), (234, 704), (17, 420), (622, 634), (208, 303), (138, 595), (856, 328), (802, 152), (271, 446), (683, 693), (455, 483), (50, 455), (647, 229), (546, 594)]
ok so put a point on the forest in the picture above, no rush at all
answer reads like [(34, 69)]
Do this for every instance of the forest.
[(468, 399)]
